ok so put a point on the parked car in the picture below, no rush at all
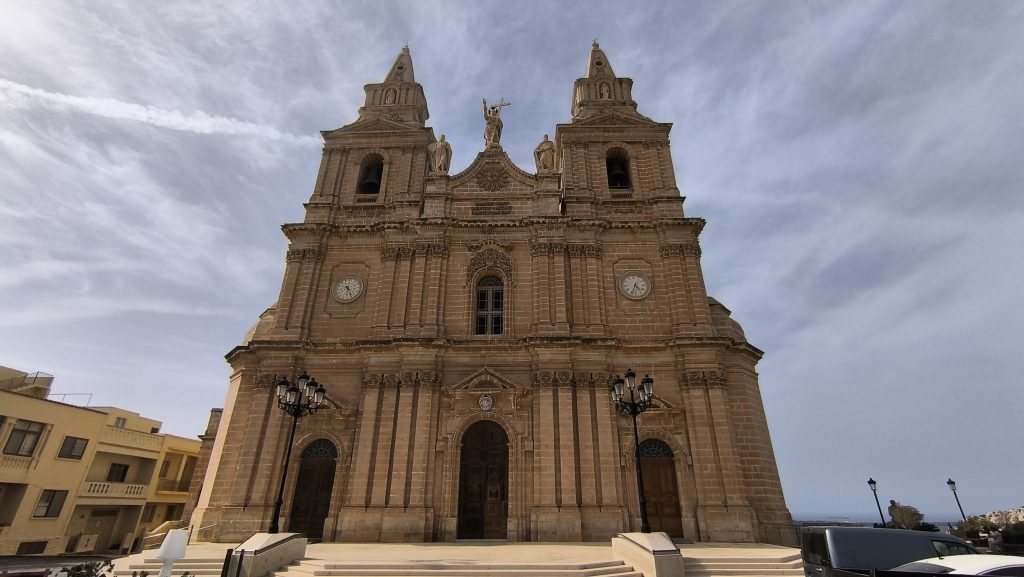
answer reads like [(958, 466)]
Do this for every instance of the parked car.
[(834, 551), (968, 565)]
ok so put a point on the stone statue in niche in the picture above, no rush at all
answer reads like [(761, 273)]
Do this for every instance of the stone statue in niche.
[(492, 128), (544, 155), (440, 156)]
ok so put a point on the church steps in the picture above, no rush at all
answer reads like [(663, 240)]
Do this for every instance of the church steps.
[(434, 569), (200, 567), (732, 566)]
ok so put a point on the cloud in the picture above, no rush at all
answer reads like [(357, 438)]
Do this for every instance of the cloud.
[(15, 94)]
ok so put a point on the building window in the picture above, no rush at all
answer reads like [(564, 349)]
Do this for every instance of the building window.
[(148, 513), (489, 306), (164, 468), (50, 503), (370, 174), (32, 548), (617, 165), (655, 449), (72, 448), (120, 422), (117, 473), (24, 438)]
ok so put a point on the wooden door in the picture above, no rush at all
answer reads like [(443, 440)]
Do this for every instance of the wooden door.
[(313, 486), (660, 490), (483, 483)]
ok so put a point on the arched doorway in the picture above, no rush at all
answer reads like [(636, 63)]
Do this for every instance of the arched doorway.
[(312, 498), (483, 483), (660, 489)]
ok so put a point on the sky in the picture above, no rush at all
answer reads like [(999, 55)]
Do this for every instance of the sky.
[(860, 166)]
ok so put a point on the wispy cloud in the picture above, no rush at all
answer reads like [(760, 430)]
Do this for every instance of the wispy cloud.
[(16, 94)]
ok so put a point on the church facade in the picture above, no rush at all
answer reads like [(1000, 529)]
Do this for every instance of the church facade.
[(467, 327)]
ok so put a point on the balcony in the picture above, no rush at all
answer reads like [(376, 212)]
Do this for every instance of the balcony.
[(15, 462), (131, 439), (103, 489), (173, 485)]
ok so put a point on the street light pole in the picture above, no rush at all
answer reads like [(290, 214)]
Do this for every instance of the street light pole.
[(874, 489), (952, 487), (634, 407), (303, 397)]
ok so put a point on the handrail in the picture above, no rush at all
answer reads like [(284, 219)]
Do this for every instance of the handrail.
[(281, 542)]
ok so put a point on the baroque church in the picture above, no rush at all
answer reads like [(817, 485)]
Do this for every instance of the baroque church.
[(467, 327)]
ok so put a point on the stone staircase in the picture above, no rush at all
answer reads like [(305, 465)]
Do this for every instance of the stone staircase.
[(318, 568), (200, 567), (706, 564)]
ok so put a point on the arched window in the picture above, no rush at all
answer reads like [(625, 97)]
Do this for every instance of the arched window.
[(655, 449), (320, 449), (490, 303), (617, 164), (370, 174)]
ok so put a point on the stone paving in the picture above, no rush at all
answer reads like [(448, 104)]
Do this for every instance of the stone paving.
[(478, 552)]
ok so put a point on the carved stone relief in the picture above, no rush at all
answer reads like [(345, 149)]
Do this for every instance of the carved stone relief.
[(680, 249), (492, 177), (489, 259)]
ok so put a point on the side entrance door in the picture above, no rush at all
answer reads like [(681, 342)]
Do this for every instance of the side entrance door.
[(660, 489), (313, 486)]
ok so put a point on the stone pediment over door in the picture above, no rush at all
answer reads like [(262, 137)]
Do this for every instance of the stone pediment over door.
[(486, 381)]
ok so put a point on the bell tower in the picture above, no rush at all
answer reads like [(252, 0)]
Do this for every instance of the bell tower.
[(371, 169), (612, 156), (378, 160)]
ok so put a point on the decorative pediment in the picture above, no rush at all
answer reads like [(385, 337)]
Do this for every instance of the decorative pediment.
[(485, 379), (615, 118), (489, 259), (370, 125), (493, 171), (342, 409)]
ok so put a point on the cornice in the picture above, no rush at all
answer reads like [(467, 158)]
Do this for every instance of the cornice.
[(297, 231)]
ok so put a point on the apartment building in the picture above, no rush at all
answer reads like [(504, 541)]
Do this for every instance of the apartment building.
[(85, 479)]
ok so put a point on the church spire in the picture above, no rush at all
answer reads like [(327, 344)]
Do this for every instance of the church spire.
[(401, 70), (399, 98), (599, 65), (600, 90)]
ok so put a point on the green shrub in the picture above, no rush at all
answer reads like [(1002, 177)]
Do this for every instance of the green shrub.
[(973, 527)]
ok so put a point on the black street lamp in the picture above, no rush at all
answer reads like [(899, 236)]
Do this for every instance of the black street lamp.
[(874, 489), (952, 487), (634, 407), (303, 397)]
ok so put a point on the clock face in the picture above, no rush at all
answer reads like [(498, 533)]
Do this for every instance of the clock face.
[(634, 285), (348, 289)]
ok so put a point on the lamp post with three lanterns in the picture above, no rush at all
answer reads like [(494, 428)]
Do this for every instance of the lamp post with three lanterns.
[(639, 401), (299, 398)]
